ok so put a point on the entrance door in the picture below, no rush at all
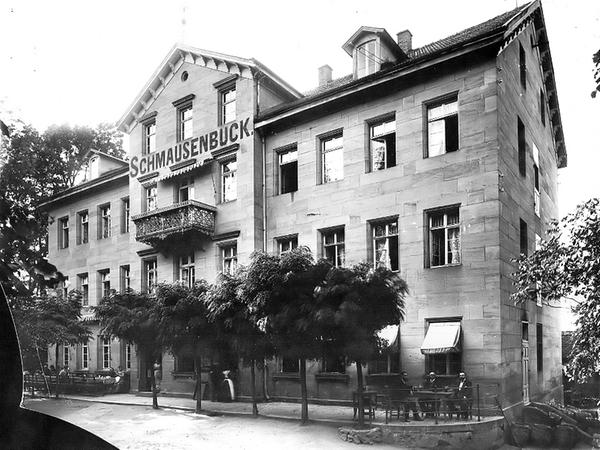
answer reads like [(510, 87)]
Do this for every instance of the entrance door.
[(525, 369)]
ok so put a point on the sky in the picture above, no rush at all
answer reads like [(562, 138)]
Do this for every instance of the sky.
[(82, 62)]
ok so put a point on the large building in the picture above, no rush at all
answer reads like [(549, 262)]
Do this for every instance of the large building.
[(439, 162)]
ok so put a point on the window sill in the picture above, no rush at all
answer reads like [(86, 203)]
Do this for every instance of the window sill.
[(445, 266), (227, 202), (332, 376), (188, 375), (293, 376), (443, 154)]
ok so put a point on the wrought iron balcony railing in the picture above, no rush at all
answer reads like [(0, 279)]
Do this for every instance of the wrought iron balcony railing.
[(158, 225)]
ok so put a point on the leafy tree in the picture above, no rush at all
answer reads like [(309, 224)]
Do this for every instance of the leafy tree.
[(567, 266), (132, 317), (239, 318), (283, 291), (45, 320), (354, 304), (183, 324), (596, 61)]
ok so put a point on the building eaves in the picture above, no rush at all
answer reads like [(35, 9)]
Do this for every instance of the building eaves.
[(104, 179), (487, 29)]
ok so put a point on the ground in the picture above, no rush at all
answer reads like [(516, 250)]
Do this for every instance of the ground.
[(132, 426)]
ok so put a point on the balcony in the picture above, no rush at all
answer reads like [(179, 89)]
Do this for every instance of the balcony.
[(165, 226)]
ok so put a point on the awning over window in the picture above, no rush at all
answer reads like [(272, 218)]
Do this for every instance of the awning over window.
[(442, 337), (389, 335)]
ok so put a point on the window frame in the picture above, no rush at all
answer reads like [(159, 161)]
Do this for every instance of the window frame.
[(536, 181), (125, 215), (229, 262), (83, 227), (336, 244), (63, 233), (153, 187), (430, 359), (371, 125), (106, 352), (85, 356), (282, 365), (542, 107), (182, 121), (373, 64), (224, 103), (124, 278), (323, 139), (190, 266), (84, 288), (521, 147), (128, 355), (279, 153), (387, 221), (429, 230), (225, 175), (184, 184), (522, 67), (149, 136), (148, 272), (539, 347), (66, 355), (446, 99), (523, 237), (104, 221), (104, 283)]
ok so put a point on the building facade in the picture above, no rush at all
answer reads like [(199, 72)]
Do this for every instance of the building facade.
[(438, 162)]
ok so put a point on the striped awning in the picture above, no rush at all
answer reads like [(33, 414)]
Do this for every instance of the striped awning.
[(441, 337), (183, 170)]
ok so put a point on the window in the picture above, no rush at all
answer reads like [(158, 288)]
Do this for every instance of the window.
[(92, 168), (85, 356), (288, 170), (83, 227), (332, 159), (229, 258), (151, 202), (383, 144), (228, 181), (125, 215), (523, 241), (149, 137), (442, 127), (105, 353), (104, 230), (333, 364), (185, 190), (286, 244), (84, 288), (445, 363), (65, 288), (522, 67), (184, 362), (540, 347), (524, 331), (522, 146), (185, 118), (186, 270), (128, 350), (125, 278), (150, 275), (542, 107), (536, 180), (334, 249), (227, 104), (385, 245), (63, 232), (444, 237), (66, 356), (538, 285), (387, 362), (367, 59), (290, 365), (104, 283)]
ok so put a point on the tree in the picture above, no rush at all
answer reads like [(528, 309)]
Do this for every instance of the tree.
[(239, 318), (354, 304), (596, 61), (283, 291), (45, 320), (567, 266), (183, 324), (132, 317)]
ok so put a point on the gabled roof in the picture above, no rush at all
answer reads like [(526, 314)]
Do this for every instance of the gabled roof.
[(497, 31), (92, 151), (181, 53), (383, 35)]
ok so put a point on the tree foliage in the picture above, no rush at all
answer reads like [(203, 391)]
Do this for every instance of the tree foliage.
[(596, 61), (567, 266)]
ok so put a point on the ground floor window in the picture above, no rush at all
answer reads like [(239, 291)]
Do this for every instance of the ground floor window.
[(290, 365), (105, 353), (66, 355), (128, 350), (184, 362), (445, 363), (85, 356), (333, 364), (386, 362)]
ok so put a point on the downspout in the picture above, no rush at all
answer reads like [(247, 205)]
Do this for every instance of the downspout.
[(264, 210)]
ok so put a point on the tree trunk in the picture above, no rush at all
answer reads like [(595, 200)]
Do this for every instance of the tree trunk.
[(304, 414), (56, 361), (253, 377), (37, 351), (361, 399), (198, 366), (154, 394)]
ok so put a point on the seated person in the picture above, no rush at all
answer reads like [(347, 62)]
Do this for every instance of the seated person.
[(407, 399), (463, 395), (433, 384)]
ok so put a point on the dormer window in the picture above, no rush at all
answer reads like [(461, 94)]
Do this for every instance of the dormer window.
[(367, 59), (91, 168)]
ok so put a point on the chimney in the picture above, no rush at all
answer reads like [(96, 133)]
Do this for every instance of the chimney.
[(405, 41), (324, 75)]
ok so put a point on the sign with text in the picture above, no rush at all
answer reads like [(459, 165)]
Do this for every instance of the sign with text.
[(199, 147)]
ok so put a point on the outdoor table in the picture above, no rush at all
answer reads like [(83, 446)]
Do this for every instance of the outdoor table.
[(443, 395), (369, 402)]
